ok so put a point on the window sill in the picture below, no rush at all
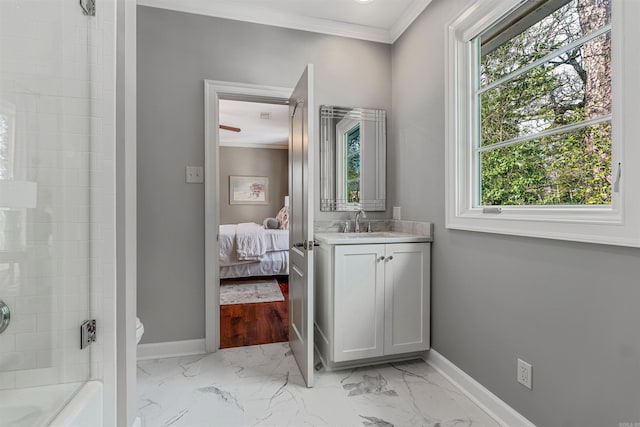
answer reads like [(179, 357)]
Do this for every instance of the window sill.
[(603, 229)]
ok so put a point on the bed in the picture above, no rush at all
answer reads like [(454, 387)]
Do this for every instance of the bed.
[(248, 249)]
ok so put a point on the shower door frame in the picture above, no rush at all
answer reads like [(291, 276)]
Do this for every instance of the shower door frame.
[(123, 384)]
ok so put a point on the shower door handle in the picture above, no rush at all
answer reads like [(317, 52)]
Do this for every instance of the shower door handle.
[(5, 316)]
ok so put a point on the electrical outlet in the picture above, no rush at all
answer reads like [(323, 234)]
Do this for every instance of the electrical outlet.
[(195, 175), (524, 373), (397, 214)]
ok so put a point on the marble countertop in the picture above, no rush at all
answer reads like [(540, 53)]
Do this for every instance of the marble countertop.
[(333, 238)]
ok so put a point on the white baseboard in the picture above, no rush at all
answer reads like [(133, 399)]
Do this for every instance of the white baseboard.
[(161, 350), (489, 402)]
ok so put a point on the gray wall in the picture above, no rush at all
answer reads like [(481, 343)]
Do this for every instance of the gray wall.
[(569, 309), (176, 52), (271, 163)]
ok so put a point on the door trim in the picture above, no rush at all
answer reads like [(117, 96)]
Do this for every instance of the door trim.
[(214, 90)]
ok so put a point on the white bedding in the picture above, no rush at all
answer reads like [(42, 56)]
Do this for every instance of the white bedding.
[(274, 261), (272, 264), (250, 241)]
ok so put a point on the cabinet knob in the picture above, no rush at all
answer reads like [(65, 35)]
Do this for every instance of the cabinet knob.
[(381, 259), (390, 257)]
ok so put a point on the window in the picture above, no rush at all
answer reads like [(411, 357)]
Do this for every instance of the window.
[(352, 164), (544, 106), (348, 171), (536, 120)]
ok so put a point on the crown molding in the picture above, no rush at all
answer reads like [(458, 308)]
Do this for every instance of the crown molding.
[(261, 15), (408, 16)]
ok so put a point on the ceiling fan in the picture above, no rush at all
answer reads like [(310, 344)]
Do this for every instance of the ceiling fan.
[(229, 128)]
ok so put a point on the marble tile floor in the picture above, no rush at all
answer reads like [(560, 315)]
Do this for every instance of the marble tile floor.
[(262, 386)]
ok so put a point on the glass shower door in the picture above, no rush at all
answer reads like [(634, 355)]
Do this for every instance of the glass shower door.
[(45, 141)]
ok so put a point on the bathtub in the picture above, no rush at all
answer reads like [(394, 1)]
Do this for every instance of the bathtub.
[(85, 409), (36, 406)]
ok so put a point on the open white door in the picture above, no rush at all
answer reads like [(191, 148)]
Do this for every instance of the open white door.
[(301, 224)]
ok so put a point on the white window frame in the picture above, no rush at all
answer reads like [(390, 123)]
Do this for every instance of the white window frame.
[(342, 128), (618, 224)]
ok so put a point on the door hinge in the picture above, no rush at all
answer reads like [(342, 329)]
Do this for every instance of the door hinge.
[(87, 333)]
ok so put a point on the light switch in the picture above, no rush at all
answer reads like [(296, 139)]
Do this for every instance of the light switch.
[(195, 175)]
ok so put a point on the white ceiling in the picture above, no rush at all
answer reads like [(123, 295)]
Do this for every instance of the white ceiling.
[(255, 132), (381, 20)]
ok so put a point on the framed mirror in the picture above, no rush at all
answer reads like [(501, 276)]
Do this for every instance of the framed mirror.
[(352, 159)]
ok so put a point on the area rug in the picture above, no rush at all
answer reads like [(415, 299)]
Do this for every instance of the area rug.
[(248, 292)]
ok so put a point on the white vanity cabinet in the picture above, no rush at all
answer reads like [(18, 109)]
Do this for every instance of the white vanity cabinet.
[(358, 302), (407, 297), (372, 301)]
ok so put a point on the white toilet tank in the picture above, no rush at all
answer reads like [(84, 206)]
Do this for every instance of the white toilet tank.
[(139, 330)]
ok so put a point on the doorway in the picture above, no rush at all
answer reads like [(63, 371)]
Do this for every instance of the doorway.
[(301, 159), (240, 208), (253, 232)]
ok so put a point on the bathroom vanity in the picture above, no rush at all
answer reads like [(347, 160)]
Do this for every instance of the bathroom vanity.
[(372, 297), (372, 289)]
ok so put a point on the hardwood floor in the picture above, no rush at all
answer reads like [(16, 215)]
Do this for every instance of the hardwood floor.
[(253, 324)]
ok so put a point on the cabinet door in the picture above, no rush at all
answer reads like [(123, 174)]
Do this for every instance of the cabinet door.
[(358, 302), (407, 298)]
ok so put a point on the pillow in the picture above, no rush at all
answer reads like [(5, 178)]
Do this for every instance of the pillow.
[(283, 218), (271, 223)]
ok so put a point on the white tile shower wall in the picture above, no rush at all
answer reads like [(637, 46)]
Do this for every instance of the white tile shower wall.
[(41, 82), (57, 74)]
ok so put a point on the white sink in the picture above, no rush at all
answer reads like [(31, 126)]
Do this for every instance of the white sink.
[(369, 238)]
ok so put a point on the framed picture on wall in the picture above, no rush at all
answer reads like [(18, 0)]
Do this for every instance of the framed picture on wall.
[(248, 190)]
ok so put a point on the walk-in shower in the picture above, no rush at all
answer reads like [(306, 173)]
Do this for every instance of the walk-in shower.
[(52, 149)]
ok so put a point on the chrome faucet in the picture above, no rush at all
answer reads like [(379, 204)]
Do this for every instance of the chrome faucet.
[(359, 212)]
